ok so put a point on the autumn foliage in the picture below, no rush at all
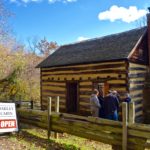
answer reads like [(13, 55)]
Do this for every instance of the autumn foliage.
[(19, 79)]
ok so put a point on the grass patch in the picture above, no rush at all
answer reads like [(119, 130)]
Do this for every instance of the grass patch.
[(34, 138)]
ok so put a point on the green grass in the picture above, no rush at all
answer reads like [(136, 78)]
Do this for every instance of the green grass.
[(36, 139)]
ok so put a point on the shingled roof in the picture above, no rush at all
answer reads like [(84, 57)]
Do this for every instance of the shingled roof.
[(111, 47)]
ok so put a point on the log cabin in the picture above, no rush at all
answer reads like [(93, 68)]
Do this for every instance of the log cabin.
[(118, 61)]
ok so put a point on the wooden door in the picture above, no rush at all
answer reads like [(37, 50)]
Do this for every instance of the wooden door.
[(72, 97)]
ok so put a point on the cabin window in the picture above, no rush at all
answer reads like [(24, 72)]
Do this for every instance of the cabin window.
[(101, 86), (72, 97)]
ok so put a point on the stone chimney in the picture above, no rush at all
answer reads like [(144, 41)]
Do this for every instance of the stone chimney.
[(148, 30)]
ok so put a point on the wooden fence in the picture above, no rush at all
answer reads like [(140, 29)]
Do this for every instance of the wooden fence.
[(122, 135), (24, 104)]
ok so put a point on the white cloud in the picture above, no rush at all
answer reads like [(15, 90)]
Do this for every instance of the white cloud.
[(121, 13), (70, 0), (81, 38)]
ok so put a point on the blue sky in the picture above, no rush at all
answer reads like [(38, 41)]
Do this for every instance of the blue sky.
[(67, 21)]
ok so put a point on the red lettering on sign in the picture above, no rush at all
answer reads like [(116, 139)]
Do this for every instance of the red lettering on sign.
[(5, 124)]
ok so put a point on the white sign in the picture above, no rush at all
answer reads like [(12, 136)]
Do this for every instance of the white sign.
[(8, 119)]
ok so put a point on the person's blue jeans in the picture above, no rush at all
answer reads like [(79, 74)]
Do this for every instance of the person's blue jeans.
[(113, 116)]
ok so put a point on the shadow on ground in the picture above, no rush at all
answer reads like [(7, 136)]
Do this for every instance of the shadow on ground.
[(43, 142)]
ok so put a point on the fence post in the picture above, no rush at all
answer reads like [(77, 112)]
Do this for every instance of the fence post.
[(49, 116), (131, 113), (124, 123), (31, 104), (57, 111), (57, 105)]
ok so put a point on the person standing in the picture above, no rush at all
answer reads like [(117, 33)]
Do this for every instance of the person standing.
[(111, 106), (101, 101), (127, 98), (95, 105)]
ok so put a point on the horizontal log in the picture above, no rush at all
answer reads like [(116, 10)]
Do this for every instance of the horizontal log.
[(84, 107), (117, 85), (61, 99), (136, 140), (85, 112), (92, 76), (50, 80), (133, 85), (85, 93), (53, 92), (37, 124), (140, 127), (52, 88), (62, 104), (53, 85), (104, 121), (84, 96), (107, 129), (121, 89), (85, 76), (79, 128), (135, 147), (49, 94), (137, 69), (138, 109), (134, 99), (80, 67), (133, 65), (138, 75), (86, 89), (88, 83), (94, 71), (140, 105), (137, 133), (139, 87), (85, 70), (85, 100), (137, 102), (137, 81), (87, 134), (31, 111), (117, 81), (140, 113), (135, 94)]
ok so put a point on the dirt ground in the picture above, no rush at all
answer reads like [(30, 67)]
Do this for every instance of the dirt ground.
[(7, 144)]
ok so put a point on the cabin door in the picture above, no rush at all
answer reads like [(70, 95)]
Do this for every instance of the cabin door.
[(72, 97)]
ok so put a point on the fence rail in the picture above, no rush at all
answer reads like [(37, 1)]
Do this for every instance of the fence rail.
[(103, 130), (25, 104)]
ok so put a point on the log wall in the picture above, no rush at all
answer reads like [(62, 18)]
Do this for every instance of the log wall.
[(54, 79), (137, 74)]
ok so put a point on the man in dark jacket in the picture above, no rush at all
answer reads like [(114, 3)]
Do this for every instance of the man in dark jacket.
[(111, 106), (101, 101), (127, 98)]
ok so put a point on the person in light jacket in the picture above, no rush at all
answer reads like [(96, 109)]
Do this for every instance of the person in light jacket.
[(95, 105)]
